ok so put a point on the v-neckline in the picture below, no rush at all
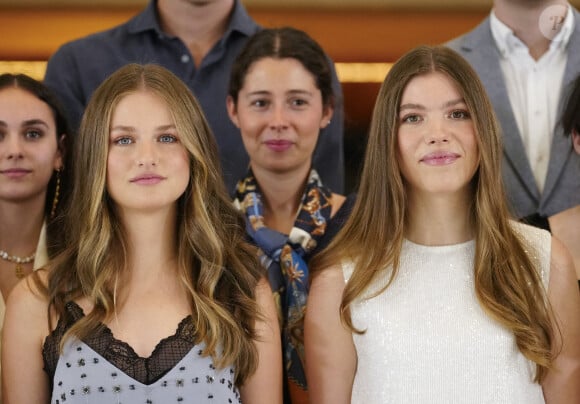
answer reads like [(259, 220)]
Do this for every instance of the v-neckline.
[(121, 355)]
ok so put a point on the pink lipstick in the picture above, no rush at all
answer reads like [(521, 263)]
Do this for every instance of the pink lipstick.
[(15, 173), (278, 145), (147, 179), (439, 158)]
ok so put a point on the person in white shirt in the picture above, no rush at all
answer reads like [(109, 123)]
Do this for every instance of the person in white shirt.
[(523, 54)]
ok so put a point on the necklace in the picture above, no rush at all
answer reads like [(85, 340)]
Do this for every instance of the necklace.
[(18, 261)]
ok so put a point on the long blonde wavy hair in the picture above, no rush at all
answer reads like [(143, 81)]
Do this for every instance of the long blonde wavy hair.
[(217, 267), (507, 284)]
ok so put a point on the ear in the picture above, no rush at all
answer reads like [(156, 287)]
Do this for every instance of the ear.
[(60, 151), (576, 140), (232, 111), (326, 116)]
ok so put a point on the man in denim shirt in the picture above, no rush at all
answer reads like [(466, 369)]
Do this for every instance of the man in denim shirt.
[(197, 40)]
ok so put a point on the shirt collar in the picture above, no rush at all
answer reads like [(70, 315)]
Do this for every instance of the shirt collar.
[(507, 42), (147, 20), (240, 21), (563, 37)]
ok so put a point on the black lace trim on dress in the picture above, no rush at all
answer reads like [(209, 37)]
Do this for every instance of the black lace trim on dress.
[(166, 355)]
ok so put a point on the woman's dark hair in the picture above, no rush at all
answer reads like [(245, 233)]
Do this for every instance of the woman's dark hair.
[(571, 115), (282, 43), (43, 93)]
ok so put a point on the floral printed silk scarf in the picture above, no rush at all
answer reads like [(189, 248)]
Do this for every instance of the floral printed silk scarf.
[(284, 257)]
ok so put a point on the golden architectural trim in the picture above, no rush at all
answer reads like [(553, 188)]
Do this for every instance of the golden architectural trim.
[(362, 72), (33, 69), (347, 72)]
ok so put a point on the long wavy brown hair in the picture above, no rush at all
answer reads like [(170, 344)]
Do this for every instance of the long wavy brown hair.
[(217, 267), (507, 283)]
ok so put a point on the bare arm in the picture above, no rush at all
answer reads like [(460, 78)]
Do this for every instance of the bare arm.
[(25, 327), (330, 352), (265, 386), (562, 384)]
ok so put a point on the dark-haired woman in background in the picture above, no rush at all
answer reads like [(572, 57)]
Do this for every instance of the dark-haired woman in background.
[(280, 97), (34, 182)]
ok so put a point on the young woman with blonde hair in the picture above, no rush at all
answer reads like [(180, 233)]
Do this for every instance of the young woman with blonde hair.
[(157, 298), (430, 292)]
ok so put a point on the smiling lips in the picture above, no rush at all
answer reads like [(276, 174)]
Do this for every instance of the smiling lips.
[(147, 179), (15, 173), (439, 158)]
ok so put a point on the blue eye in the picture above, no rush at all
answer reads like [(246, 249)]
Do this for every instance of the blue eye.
[(123, 141), (411, 118), (167, 139)]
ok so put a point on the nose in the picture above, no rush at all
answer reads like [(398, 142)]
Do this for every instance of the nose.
[(13, 147), (436, 131), (279, 120), (147, 154)]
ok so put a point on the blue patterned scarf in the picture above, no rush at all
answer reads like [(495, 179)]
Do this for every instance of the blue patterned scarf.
[(285, 258)]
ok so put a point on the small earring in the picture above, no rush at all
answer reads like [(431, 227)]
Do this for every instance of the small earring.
[(56, 194)]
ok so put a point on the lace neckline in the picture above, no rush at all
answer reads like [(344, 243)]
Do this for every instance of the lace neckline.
[(185, 330), (147, 370)]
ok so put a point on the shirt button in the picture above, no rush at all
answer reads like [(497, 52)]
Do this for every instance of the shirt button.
[(184, 58)]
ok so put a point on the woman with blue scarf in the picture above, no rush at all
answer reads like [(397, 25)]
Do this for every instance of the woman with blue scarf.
[(281, 99)]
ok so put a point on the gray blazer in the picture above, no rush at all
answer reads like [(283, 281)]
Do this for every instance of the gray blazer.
[(562, 187)]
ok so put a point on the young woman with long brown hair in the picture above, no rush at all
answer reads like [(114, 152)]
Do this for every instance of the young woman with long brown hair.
[(157, 297), (430, 292)]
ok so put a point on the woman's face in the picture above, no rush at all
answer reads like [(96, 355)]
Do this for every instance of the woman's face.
[(29, 151), (279, 112), (147, 166), (437, 145)]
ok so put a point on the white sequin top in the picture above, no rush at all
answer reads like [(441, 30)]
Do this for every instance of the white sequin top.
[(428, 340)]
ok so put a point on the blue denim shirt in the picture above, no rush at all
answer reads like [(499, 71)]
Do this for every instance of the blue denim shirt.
[(77, 68)]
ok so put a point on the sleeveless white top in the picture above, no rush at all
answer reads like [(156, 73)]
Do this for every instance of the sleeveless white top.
[(428, 340)]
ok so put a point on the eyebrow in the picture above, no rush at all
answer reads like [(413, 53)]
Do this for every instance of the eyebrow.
[(422, 107), (266, 92), (28, 123), (131, 129), (123, 128), (34, 122)]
